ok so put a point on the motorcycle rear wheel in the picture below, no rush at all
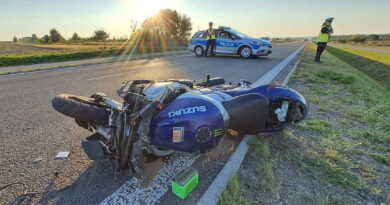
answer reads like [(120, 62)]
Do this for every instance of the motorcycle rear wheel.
[(81, 108)]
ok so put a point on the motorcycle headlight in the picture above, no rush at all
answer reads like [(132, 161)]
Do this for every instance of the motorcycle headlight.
[(203, 134)]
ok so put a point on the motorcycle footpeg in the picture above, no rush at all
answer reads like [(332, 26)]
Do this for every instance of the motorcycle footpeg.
[(93, 149)]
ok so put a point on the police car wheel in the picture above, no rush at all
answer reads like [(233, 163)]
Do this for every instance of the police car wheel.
[(245, 52), (199, 51)]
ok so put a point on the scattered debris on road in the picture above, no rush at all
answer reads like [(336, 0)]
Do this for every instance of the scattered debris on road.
[(185, 182), (62, 155), (37, 160)]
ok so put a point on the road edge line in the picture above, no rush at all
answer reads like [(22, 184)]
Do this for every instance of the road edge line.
[(285, 81), (268, 77), (219, 184)]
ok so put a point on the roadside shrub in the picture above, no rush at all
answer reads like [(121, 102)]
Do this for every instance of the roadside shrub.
[(343, 41), (359, 39), (345, 79), (374, 37)]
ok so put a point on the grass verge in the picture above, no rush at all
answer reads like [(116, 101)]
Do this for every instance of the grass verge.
[(81, 64), (373, 64), (27, 59), (339, 154), (233, 194)]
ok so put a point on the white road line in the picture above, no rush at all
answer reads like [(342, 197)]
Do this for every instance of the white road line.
[(285, 81), (268, 77), (43, 71), (132, 192), (112, 75)]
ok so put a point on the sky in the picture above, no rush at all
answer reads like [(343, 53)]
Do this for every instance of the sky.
[(275, 18)]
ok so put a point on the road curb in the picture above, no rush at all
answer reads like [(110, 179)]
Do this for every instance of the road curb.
[(211, 196)]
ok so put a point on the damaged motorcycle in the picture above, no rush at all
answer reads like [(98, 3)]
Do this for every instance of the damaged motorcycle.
[(160, 117)]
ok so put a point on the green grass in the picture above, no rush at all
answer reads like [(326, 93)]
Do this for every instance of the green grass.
[(270, 181), (340, 146), (374, 65), (376, 136), (381, 158), (342, 78), (333, 141), (375, 56), (12, 60), (327, 170), (314, 99), (26, 59), (317, 125), (233, 194)]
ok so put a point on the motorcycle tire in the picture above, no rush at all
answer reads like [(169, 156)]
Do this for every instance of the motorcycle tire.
[(82, 108)]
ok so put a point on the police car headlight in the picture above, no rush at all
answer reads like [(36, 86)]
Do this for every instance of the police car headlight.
[(257, 43)]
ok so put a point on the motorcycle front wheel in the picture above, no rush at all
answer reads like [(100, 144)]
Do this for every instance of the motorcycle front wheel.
[(82, 108)]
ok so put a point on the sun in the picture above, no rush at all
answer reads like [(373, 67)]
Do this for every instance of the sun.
[(141, 9)]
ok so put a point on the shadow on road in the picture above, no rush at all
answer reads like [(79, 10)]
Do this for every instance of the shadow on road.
[(91, 187), (235, 57)]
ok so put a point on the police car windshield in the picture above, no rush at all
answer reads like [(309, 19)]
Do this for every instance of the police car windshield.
[(241, 35)]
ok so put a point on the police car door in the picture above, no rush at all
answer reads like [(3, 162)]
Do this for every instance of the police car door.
[(225, 44)]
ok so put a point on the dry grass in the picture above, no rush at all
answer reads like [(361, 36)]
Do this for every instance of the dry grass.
[(375, 56), (80, 46)]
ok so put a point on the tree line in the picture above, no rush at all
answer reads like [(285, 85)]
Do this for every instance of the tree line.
[(360, 38), (167, 27), (55, 36)]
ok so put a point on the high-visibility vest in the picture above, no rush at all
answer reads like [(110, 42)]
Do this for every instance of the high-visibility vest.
[(210, 34), (323, 37)]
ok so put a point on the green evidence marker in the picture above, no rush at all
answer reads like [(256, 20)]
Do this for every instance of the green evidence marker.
[(185, 182)]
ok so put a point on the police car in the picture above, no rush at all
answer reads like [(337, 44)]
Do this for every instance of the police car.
[(230, 42)]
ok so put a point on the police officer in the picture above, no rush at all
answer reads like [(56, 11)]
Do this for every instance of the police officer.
[(210, 39), (323, 37)]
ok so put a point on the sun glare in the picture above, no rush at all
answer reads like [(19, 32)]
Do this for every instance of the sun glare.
[(143, 9)]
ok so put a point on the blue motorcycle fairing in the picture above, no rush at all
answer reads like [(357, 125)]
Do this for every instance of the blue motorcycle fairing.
[(273, 93), (190, 115)]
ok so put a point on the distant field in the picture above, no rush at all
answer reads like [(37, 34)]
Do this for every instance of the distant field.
[(379, 43), (82, 47), (20, 53), (376, 56), (2, 43), (20, 48), (373, 64)]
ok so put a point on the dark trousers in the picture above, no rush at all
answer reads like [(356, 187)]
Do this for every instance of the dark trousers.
[(320, 48), (210, 42)]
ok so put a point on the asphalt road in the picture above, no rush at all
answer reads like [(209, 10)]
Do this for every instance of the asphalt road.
[(31, 130)]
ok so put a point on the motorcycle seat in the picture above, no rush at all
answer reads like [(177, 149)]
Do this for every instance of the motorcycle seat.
[(248, 113)]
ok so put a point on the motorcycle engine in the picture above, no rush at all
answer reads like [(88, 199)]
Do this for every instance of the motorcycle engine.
[(161, 91)]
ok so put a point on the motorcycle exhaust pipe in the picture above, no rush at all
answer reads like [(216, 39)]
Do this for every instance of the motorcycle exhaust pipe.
[(112, 104), (101, 97)]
